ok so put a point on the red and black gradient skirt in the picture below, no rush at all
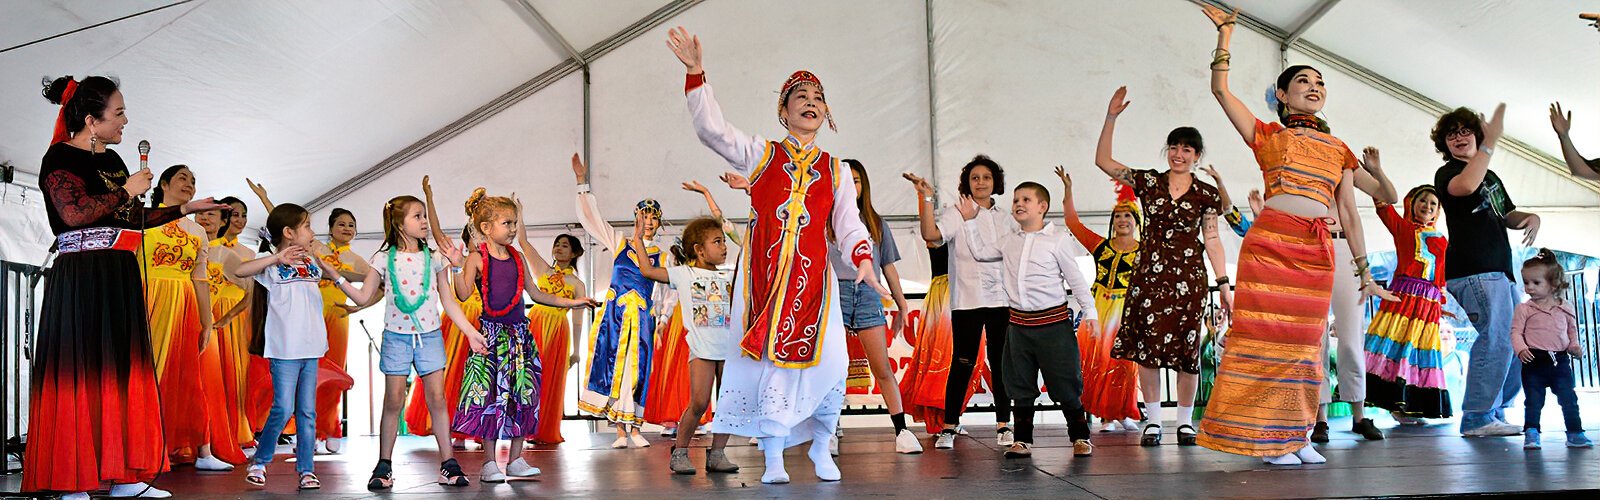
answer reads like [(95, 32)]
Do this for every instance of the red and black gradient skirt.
[(95, 413)]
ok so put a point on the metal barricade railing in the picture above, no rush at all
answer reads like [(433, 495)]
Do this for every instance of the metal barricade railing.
[(19, 305)]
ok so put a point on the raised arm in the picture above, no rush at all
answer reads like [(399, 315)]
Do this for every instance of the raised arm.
[(739, 183), (261, 194), (1371, 180), (589, 211), (1069, 214), (1561, 121), (436, 226), (1222, 189), (1102, 150), (927, 221), (1238, 114), (535, 259), (1477, 168), (740, 149)]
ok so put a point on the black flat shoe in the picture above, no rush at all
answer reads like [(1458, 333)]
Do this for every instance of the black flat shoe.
[(1150, 438), (1367, 429), (1187, 438), (1319, 434)]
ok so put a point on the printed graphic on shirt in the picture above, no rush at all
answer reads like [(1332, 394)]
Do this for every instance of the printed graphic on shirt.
[(297, 273), (709, 300), (1495, 199)]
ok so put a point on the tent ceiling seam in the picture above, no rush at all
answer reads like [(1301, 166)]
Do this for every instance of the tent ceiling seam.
[(501, 103)]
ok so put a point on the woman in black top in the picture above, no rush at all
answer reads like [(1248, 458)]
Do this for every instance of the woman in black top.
[(95, 415)]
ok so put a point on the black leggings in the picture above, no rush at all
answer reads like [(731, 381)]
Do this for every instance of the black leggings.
[(967, 329)]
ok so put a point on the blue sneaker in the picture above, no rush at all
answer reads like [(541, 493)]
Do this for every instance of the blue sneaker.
[(1578, 440), (1530, 440)]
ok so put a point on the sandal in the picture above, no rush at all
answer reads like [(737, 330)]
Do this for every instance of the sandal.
[(1187, 438), (256, 475), (1151, 435), (382, 477), (309, 481)]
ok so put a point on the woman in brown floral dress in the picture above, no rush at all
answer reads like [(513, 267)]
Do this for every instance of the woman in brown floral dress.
[(1167, 295)]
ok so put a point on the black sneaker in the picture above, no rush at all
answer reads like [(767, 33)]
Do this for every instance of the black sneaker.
[(1366, 429), (382, 477), (1319, 434), (450, 474)]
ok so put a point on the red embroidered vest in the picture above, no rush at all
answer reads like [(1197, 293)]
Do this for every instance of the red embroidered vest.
[(786, 256)]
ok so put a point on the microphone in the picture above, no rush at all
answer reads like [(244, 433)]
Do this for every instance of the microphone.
[(144, 161)]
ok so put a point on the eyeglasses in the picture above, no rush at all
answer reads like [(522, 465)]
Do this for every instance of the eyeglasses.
[(1460, 132)]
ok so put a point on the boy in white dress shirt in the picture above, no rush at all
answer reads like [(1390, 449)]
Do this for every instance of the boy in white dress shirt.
[(1041, 274)]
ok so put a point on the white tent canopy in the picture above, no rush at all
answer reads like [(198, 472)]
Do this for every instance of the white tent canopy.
[(347, 103)]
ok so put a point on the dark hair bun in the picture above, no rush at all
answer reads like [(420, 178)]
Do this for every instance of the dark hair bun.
[(54, 88)]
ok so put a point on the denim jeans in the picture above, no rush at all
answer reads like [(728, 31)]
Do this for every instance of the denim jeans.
[(1494, 375), (294, 388), (1552, 371)]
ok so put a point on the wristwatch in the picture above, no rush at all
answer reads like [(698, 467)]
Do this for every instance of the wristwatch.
[(928, 199)]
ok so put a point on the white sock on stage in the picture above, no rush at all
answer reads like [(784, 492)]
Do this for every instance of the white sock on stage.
[(772, 448), (1185, 416), (1153, 412)]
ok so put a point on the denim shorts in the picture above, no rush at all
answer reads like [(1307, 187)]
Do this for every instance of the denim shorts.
[(862, 307), (402, 351)]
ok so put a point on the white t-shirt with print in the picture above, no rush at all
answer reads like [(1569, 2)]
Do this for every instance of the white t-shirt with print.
[(706, 299), (408, 284), (294, 326)]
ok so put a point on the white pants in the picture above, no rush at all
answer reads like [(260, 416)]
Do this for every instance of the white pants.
[(1347, 323)]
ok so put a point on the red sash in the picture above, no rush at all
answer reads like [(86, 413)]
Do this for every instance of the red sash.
[(786, 284)]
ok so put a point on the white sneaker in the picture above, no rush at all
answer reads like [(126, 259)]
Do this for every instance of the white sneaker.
[(1111, 426), (946, 440), (491, 473), (638, 440), (620, 443), (669, 432), (1493, 429), (1287, 459), (906, 442), (520, 468), (961, 430), (212, 463), (1005, 437), (138, 490), (321, 448), (1309, 455), (335, 444), (1129, 425)]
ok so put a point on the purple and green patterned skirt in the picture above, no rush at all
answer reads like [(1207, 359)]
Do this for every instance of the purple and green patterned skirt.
[(500, 391)]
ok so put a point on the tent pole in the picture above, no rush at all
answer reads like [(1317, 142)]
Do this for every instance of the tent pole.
[(933, 112)]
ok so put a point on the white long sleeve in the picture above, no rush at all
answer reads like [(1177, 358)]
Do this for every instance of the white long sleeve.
[(741, 150), (850, 234), (596, 225)]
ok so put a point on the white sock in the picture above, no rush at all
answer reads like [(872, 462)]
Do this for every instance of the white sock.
[(1153, 411), (1185, 416)]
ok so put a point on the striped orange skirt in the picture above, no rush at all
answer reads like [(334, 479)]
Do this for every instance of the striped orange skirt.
[(1266, 393), (552, 332)]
